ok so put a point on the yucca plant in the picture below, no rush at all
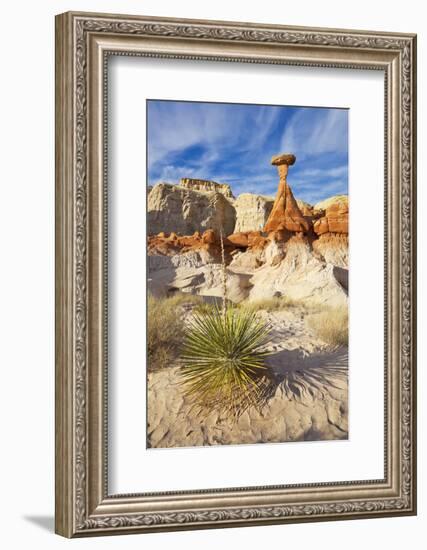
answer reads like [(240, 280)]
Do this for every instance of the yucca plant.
[(223, 355), (223, 359)]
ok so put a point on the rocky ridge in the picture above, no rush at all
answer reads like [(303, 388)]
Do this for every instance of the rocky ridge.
[(335, 219), (182, 210), (207, 186), (293, 250)]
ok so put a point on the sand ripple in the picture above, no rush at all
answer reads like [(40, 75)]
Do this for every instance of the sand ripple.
[(305, 397)]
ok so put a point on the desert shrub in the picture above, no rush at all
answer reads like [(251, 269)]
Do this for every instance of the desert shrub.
[(183, 298), (331, 325), (223, 358), (204, 307), (165, 331), (272, 304)]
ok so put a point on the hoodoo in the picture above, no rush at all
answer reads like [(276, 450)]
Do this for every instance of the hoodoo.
[(285, 214)]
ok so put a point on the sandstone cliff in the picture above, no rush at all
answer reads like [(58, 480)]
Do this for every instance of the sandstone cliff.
[(293, 270), (323, 205), (335, 219), (333, 248), (281, 247), (306, 209), (252, 212), (207, 186), (172, 208)]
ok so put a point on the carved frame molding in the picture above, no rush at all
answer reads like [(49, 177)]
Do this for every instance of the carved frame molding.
[(83, 43)]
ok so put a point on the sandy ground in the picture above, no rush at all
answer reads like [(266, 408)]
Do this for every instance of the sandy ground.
[(307, 397)]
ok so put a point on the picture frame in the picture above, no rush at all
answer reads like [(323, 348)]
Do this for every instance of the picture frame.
[(84, 42)]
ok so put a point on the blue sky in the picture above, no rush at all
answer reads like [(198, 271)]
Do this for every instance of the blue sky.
[(234, 143)]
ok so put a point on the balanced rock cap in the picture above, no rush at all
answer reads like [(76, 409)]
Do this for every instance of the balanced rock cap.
[(286, 158)]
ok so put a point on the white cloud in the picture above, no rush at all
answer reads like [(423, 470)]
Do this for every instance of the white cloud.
[(172, 174), (335, 172), (175, 126), (235, 145), (316, 131), (310, 189)]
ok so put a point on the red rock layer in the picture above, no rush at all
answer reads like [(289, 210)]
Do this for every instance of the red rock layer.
[(248, 239), (286, 214), (335, 220), (170, 244)]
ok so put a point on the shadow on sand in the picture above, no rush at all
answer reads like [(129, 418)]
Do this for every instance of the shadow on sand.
[(306, 375), (298, 376)]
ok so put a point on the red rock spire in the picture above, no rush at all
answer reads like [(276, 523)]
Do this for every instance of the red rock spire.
[(285, 214)]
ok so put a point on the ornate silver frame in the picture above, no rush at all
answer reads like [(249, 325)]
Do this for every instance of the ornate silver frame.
[(83, 42)]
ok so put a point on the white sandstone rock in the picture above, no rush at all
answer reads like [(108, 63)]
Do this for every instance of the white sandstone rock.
[(252, 212), (184, 211)]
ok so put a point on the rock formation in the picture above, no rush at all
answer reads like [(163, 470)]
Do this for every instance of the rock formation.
[(326, 203), (306, 209), (207, 186), (194, 272), (293, 271), (333, 248), (240, 240), (281, 247), (247, 239), (335, 219), (285, 214), (172, 244), (252, 212), (172, 208)]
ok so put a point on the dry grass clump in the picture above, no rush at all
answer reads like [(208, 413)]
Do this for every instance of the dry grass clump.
[(165, 330), (331, 325), (182, 298), (207, 308), (204, 308), (272, 304), (265, 304)]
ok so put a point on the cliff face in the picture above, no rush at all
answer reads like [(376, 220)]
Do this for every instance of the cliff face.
[(333, 248), (294, 270), (305, 208), (194, 204), (280, 247), (323, 205), (207, 186), (176, 209), (252, 212), (335, 219)]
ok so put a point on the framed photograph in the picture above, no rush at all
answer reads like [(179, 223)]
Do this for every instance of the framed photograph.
[(235, 274)]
